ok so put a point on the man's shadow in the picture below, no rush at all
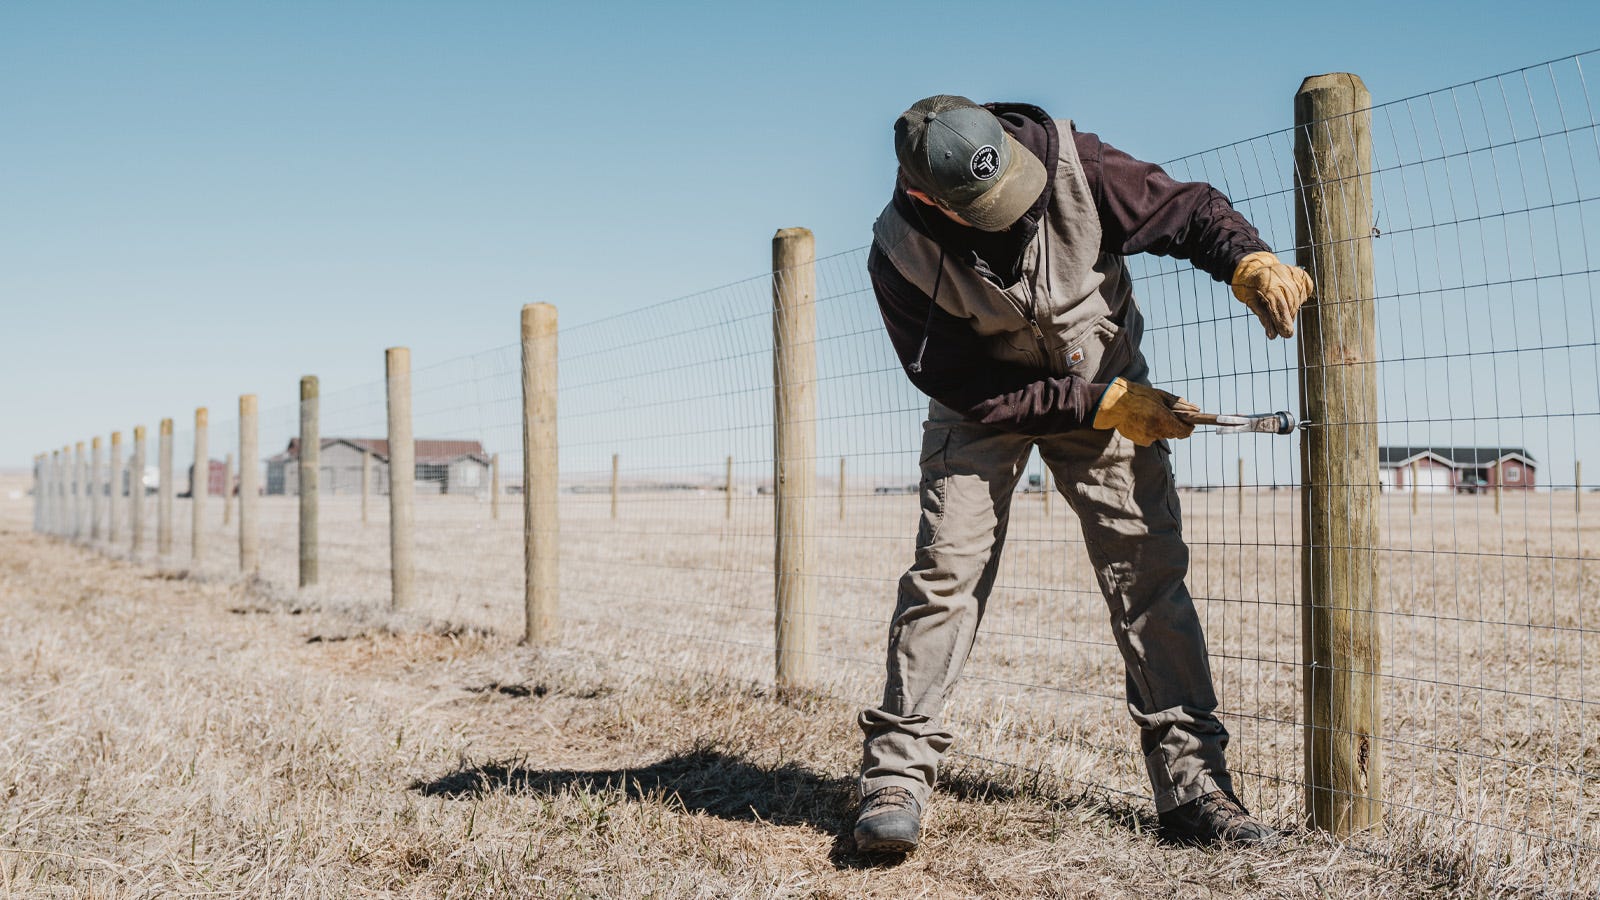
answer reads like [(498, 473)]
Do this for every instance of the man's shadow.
[(707, 780)]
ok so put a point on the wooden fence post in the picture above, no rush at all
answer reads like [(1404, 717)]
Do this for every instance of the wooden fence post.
[(309, 468), (494, 487), (136, 468), (164, 491), (1339, 456), (1416, 489), (402, 478), (38, 497), (366, 481), (114, 490), (199, 485), (1047, 481), (841, 489), (249, 486), (227, 490), (80, 494), (615, 468), (541, 534), (794, 376), (95, 486), (727, 488)]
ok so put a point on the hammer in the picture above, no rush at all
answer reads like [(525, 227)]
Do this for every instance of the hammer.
[(1260, 423)]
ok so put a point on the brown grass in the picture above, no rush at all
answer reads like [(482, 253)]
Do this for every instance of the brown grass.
[(198, 735)]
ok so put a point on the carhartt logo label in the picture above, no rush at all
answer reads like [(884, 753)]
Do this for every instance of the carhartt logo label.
[(1075, 355), (986, 162)]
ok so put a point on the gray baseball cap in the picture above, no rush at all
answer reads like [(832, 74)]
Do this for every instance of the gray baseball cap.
[(957, 153)]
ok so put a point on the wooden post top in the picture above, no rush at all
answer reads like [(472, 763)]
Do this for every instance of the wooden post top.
[(116, 438), (138, 432), (94, 443), (308, 387), (200, 417), (166, 427), (247, 404), (538, 320)]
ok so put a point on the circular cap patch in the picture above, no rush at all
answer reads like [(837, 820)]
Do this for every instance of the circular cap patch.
[(986, 162)]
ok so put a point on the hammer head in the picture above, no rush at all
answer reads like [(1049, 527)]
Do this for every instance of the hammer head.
[(1262, 423)]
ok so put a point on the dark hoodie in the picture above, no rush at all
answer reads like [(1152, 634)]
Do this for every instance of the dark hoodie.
[(1142, 210)]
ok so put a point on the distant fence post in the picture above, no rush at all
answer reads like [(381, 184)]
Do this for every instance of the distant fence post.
[(79, 492), (136, 469), (114, 490), (227, 490), (727, 487), (249, 486), (95, 486), (541, 524), (841, 489), (1241, 494), (309, 467), (402, 478), (1046, 480), (164, 491), (1339, 455), (615, 469), (38, 497), (199, 485), (494, 487), (366, 481), (794, 376)]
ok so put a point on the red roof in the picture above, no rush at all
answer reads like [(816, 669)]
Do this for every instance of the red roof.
[(427, 452)]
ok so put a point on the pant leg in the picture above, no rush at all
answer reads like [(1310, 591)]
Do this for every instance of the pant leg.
[(968, 474), (1127, 503)]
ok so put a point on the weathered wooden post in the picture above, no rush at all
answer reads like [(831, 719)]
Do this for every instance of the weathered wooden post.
[(136, 491), (1499, 476), (38, 498), (494, 487), (310, 464), (794, 376), (402, 478), (199, 485), (249, 486), (541, 524), (727, 487), (841, 489), (1047, 480), (164, 491), (113, 490), (79, 491), (366, 481), (1241, 495), (1416, 489), (96, 487), (1339, 456), (227, 490), (615, 465)]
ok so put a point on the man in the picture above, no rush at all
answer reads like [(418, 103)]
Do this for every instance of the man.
[(998, 267)]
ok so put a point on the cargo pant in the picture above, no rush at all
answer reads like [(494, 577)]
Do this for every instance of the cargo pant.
[(1125, 501)]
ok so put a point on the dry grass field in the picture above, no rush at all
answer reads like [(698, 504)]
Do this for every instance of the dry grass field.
[(170, 729)]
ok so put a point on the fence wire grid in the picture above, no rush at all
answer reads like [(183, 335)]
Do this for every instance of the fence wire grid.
[(1486, 240)]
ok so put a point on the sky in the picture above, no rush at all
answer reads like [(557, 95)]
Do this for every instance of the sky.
[(199, 200)]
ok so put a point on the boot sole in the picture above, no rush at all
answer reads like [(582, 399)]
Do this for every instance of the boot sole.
[(885, 845)]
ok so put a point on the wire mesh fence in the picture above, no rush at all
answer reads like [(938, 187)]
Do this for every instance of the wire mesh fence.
[(1485, 234)]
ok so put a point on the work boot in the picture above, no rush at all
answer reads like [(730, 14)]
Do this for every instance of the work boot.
[(1217, 817), (888, 822)]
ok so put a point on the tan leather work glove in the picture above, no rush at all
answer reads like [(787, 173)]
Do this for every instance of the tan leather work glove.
[(1142, 414), (1272, 290)]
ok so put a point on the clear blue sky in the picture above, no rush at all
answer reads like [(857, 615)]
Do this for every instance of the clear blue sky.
[(204, 199)]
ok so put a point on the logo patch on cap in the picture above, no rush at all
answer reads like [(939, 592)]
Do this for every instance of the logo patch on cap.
[(986, 162)]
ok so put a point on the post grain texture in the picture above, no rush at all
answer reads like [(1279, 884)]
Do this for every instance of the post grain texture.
[(1339, 456), (199, 485), (310, 463), (249, 487), (402, 478), (136, 492), (114, 481), (794, 376), (227, 490), (96, 488), (164, 492), (541, 533)]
